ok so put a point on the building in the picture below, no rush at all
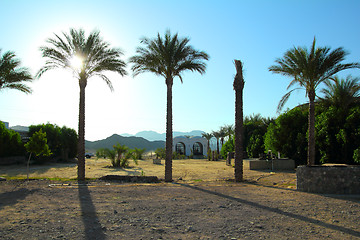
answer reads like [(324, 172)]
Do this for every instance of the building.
[(197, 146)]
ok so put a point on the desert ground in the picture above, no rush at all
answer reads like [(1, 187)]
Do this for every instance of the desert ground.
[(201, 203)]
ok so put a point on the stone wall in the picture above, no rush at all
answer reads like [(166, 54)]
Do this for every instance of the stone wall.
[(328, 179)]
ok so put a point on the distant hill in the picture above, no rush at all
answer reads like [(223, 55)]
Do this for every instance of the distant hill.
[(130, 142), (154, 136)]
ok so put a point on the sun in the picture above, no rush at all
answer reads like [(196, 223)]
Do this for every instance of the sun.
[(76, 62)]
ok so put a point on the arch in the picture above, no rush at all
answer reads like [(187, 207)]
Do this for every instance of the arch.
[(180, 148), (198, 148)]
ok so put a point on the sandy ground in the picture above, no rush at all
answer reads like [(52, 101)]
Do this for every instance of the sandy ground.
[(203, 205)]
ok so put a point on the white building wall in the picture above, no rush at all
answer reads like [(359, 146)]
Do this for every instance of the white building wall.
[(189, 144)]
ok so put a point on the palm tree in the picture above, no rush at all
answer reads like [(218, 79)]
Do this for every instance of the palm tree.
[(341, 93), (222, 134), (12, 75), (308, 69), (229, 130), (93, 57), (169, 57), (207, 136), (217, 135), (239, 128)]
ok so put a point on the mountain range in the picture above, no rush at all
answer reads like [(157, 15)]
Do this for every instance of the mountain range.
[(149, 140), (154, 136)]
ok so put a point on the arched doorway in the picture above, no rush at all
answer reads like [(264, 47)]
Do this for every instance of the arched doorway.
[(180, 148), (198, 149)]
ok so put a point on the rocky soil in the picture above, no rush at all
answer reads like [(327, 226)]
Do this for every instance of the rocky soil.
[(256, 209)]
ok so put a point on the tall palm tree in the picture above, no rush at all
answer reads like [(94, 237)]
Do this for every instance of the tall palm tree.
[(217, 135), (239, 128), (222, 135), (208, 137), (13, 76), (94, 57), (309, 68), (229, 130), (342, 93), (169, 57)]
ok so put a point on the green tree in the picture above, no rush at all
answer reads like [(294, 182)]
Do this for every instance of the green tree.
[(62, 141), (37, 145), (10, 142), (309, 68), (169, 57), (13, 76), (287, 135), (341, 93), (94, 57), (239, 128)]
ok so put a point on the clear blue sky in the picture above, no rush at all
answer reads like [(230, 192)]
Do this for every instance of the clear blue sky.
[(256, 32)]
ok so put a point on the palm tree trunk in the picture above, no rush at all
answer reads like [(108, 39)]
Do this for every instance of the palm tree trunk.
[(238, 87), (81, 131), (169, 133), (311, 142)]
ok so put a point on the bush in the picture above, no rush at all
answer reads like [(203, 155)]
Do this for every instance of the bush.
[(160, 153), (62, 141), (287, 135), (10, 142)]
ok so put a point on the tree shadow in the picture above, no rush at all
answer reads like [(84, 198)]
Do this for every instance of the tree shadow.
[(12, 197), (93, 228), (277, 211)]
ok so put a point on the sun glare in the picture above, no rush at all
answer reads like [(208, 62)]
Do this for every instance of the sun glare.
[(76, 62)]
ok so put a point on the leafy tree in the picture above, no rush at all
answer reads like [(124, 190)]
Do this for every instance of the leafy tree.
[(169, 57), (62, 141), (239, 128), (10, 142), (37, 145), (287, 135), (309, 69), (338, 134), (13, 76), (95, 57), (68, 143), (229, 146)]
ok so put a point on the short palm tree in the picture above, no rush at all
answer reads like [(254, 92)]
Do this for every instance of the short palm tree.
[(169, 57), (239, 114), (86, 57), (13, 76), (341, 93), (309, 69)]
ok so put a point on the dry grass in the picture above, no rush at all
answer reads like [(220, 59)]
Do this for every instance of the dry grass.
[(186, 170)]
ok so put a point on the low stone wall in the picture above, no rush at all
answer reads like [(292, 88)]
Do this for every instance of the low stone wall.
[(276, 164), (328, 179)]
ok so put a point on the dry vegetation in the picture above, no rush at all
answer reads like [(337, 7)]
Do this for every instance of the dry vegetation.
[(185, 170)]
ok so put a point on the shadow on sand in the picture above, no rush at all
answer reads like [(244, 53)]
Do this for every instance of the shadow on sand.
[(276, 210), (93, 228), (13, 197)]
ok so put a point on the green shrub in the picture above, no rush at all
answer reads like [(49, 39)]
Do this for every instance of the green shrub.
[(10, 142)]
